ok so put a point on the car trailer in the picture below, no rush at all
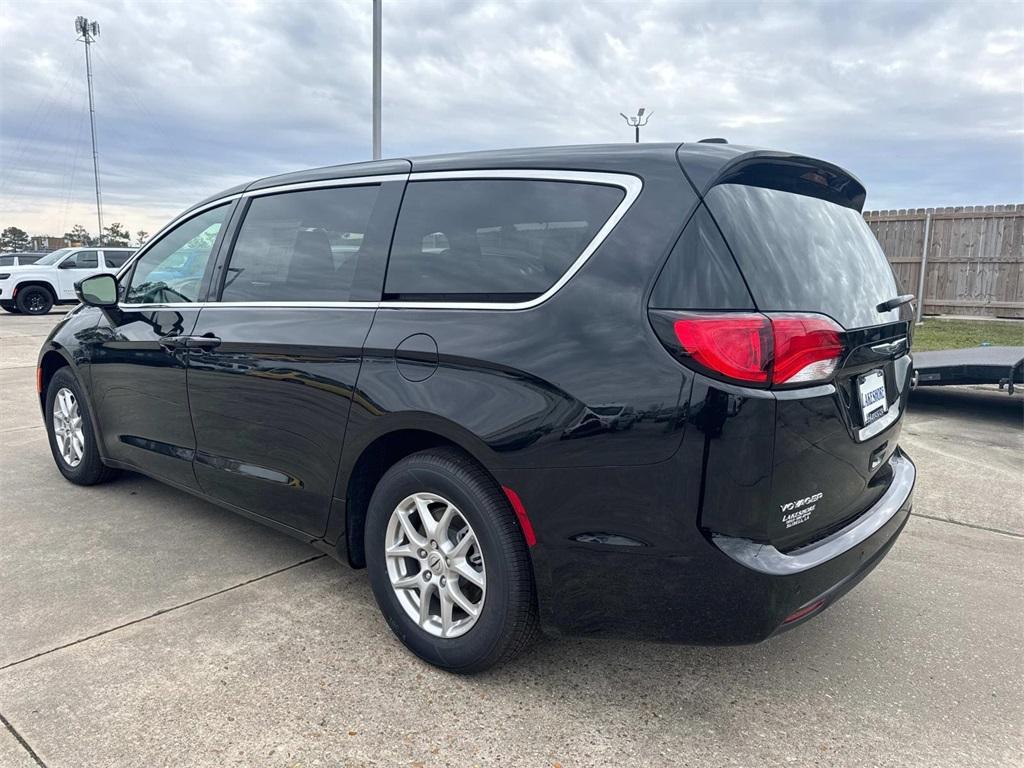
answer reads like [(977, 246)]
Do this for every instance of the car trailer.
[(977, 365)]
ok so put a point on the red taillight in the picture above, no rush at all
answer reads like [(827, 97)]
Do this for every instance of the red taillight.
[(807, 348), (737, 346), (762, 349)]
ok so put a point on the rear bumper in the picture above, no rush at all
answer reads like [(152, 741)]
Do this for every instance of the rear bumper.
[(764, 558), (721, 591)]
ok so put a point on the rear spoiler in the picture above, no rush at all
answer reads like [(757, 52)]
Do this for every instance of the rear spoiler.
[(728, 164)]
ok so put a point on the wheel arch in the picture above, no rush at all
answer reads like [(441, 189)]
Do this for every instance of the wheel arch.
[(35, 282), (52, 359), (366, 461)]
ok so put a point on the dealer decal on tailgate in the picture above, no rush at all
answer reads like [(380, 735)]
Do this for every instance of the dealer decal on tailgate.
[(799, 511)]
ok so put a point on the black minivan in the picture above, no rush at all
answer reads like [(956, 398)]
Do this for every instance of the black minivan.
[(652, 390)]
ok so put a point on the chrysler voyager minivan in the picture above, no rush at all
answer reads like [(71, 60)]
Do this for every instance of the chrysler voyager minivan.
[(652, 390)]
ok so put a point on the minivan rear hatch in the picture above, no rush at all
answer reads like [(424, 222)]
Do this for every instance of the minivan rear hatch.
[(796, 232)]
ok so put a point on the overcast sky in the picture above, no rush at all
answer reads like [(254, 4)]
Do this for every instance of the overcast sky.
[(923, 101)]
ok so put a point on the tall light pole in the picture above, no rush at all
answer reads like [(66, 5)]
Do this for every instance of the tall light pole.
[(638, 121), (88, 31), (376, 78)]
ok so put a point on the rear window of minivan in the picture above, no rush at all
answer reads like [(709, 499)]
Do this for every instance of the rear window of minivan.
[(492, 239), (804, 254)]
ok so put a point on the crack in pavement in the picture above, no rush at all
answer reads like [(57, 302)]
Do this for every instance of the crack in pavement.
[(969, 525), (161, 612), (22, 429), (25, 745)]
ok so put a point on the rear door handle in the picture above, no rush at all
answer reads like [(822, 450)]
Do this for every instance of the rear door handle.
[(172, 342)]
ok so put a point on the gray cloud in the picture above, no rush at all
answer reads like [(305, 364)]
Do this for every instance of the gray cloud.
[(923, 101)]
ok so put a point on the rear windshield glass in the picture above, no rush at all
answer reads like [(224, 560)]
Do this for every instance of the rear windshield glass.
[(492, 240), (803, 254)]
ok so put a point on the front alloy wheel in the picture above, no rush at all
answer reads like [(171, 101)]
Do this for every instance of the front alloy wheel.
[(34, 300), (70, 431), (67, 427)]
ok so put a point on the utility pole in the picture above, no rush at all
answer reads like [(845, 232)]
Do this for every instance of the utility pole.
[(88, 31), (376, 78), (637, 122)]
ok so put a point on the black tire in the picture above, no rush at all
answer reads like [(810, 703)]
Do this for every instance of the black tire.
[(9, 306), (90, 470), (508, 622), (34, 300)]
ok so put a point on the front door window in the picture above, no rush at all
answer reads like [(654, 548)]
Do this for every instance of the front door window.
[(171, 271)]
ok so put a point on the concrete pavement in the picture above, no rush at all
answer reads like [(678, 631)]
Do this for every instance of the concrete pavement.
[(142, 627)]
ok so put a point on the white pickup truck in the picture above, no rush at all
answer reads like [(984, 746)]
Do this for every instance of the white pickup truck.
[(33, 289)]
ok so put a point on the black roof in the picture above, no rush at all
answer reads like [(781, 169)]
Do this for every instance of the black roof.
[(703, 162)]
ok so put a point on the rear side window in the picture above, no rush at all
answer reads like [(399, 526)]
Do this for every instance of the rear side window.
[(6, 261), (300, 246), (700, 273), (116, 259), (492, 239), (805, 254)]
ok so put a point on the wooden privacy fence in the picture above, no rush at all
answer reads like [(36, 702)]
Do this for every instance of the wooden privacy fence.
[(973, 263)]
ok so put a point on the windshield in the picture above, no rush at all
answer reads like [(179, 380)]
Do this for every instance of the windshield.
[(804, 254), (53, 258)]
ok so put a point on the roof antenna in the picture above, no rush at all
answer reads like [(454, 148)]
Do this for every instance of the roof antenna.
[(714, 140)]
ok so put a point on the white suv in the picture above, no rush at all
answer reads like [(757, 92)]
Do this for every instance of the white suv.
[(33, 289)]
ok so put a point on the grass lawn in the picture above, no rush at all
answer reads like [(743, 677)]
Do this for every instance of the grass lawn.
[(958, 334)]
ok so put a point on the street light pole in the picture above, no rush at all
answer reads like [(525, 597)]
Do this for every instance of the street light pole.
[(376, 78), (88, 32), (637, 122)]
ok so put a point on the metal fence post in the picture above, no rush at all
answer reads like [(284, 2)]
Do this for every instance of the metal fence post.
[(924, 265)]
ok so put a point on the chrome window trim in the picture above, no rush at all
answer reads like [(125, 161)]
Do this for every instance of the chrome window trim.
[(630, 184), (250, 305), (349, 181)]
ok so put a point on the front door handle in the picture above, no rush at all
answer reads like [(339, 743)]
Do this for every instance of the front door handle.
[(206, 341)]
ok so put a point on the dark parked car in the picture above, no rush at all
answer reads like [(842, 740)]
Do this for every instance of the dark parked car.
[(19, 258), (651, 390)]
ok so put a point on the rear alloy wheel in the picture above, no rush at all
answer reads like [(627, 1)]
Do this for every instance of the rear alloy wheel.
[(435, 565), (9, 306), (448, 564), (34, 300), (72, 440)]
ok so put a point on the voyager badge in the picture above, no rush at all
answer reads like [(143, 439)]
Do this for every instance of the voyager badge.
[(799, 511)]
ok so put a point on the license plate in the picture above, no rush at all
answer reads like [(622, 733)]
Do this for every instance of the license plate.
[(871, 393)]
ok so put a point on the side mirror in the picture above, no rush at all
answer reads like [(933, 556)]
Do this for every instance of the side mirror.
[(68, 264), (97, 291)]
